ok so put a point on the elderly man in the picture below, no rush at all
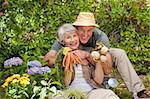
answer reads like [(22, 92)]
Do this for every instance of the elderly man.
[(89, 35)]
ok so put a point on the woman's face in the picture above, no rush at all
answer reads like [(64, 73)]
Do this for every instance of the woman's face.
[(71, 40)]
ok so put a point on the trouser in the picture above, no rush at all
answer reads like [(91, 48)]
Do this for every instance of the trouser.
[(101, 93), (126, 70)]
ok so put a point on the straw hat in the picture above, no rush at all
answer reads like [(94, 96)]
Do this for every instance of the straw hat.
[(85, 19)]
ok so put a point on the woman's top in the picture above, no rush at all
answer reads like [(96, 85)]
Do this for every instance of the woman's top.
[(79, 81), (88, 74)]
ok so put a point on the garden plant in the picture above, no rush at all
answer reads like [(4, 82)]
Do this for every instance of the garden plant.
[(28, 30)]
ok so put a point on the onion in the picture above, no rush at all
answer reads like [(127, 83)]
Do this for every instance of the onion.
[(104, 50), (103, 58)]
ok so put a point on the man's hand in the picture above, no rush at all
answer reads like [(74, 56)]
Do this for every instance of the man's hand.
[(50, 57)]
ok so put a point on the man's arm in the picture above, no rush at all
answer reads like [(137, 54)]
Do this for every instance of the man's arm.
[(102, 37), (51, 55), (56, 46)]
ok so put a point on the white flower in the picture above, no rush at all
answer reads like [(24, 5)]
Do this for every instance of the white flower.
[(36, 88), (43, 93), (43, 82), (54, 90)]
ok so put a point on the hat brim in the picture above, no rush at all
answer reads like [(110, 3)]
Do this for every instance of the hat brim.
[(84, 24)]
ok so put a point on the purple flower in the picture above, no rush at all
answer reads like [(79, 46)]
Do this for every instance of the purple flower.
[(35, 70), (46, 69), (34, 63), (13, 61), (31, 71), (39, 70)]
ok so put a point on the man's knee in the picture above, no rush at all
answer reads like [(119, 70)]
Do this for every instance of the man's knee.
[(117, 53), (121, 52)]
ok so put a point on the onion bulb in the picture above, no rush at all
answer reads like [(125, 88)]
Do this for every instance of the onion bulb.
[(103, 58), (95, 55), (104, 50)]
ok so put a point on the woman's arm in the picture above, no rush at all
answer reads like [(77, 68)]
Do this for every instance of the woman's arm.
[(107, 65), (98, 73)]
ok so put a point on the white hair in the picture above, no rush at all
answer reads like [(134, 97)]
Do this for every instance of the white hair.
[(65, 29)]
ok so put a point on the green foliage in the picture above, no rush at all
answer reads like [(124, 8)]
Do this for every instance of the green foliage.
[(137, 46), (75, 94), (123, 94), (28, 27), (59, 67), (127, 26), (46, 90)]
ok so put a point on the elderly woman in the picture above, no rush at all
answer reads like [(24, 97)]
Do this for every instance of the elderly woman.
[(78, 62), (80, 71)]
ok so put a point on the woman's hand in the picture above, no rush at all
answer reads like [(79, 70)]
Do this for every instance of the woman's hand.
[(85, 56)]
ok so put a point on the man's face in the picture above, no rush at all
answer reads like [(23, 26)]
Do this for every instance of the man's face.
[(71, 40), (85, 33)]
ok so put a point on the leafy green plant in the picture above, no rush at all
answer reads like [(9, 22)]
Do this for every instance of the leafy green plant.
[(46, 90), (74, 94)]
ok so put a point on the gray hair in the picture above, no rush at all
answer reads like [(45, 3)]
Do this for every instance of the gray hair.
[(65, 29)]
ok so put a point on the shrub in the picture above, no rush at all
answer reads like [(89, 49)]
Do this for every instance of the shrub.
[(28, 27)]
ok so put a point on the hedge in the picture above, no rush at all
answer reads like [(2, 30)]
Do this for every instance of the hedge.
[(28, 27)]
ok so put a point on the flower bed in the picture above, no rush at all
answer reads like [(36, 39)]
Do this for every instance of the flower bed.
[(28, 80)]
